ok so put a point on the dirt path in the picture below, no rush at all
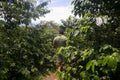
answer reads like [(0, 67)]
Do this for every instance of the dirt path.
[(51, 76)]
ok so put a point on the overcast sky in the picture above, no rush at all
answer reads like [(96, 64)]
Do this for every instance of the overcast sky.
[(59, 9)]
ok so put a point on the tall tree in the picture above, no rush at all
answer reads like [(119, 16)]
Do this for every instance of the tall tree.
[(102, 8), (16, 12)]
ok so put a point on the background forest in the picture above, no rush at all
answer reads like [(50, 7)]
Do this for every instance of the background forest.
[(92, 51)]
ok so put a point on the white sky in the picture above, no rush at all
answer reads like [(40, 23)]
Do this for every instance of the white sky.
[(57, 13), (59, 9)]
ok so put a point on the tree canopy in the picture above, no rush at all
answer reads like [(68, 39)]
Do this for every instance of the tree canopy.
[(16, 12)]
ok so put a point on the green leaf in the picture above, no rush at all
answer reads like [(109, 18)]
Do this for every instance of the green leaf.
[(68, 68), (91, 64), (84, 29), (12, 64), (93, 68), (34, 69), (96, 77), (87, 53), (25, 72), (84, 76)]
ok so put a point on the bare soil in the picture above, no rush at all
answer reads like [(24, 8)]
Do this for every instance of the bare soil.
[(51, 76)]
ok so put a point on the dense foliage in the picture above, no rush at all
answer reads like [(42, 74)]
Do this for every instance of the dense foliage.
[(93, 51), (25, 51)]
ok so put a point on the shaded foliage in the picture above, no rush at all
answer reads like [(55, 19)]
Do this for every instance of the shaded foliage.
[(25, 52)]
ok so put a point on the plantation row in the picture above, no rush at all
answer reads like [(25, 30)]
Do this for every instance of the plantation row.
[(92, 50)]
